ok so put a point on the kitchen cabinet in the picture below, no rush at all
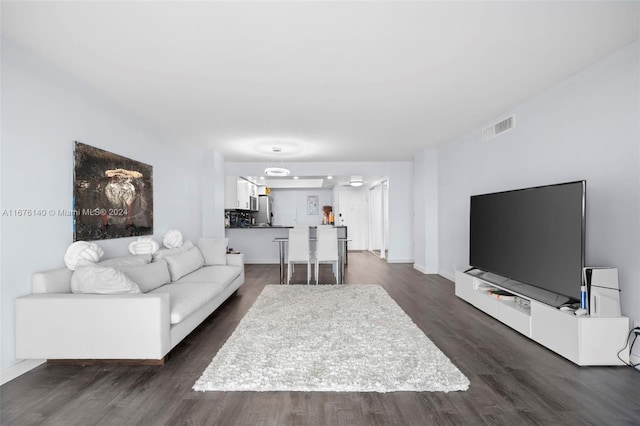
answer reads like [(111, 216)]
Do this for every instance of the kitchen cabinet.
[(231, 201), (253, 189), (238, 193), (243, 194)]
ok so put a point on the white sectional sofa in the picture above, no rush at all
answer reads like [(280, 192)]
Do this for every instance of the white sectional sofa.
[(177, 291)]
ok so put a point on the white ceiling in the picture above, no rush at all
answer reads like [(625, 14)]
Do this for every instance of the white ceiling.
[(326, 81)]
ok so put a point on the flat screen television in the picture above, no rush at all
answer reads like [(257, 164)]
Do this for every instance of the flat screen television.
[(532, 236)]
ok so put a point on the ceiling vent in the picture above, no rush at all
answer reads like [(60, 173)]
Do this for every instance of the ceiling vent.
[(498, 128)]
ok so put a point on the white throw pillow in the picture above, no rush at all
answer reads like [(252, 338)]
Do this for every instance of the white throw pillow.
[(144, 245), (100, 279), (214, 250), (184, 263), (162, 253), (149, 276), (82, 252), (172, 239)]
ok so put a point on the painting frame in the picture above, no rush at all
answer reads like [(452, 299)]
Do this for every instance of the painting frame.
[(112, 195), (313, 205)]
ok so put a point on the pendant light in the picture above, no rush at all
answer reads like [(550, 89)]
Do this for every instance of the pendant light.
[(277, 171)]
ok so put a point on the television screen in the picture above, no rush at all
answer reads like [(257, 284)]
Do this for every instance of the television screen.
[(535, 236)]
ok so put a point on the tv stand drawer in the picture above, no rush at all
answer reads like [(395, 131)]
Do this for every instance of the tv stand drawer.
[(555, 329)]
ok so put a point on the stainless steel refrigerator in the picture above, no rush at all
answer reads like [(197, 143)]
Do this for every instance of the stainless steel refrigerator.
[(264, 216)]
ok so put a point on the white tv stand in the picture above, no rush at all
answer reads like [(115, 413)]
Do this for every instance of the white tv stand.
[(583, 340)]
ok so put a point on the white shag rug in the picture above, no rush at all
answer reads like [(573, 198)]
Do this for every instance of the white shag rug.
[(347, 338)]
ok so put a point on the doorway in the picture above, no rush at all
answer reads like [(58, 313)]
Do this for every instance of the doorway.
[(379, 219)]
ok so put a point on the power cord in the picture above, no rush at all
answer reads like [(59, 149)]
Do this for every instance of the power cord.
[(636, 332)]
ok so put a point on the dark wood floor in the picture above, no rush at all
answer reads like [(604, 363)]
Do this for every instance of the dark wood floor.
[(514, 381)]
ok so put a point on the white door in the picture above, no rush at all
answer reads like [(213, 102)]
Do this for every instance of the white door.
[(353, 213)]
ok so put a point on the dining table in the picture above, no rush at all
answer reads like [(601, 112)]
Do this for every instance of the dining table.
[(342, 251)]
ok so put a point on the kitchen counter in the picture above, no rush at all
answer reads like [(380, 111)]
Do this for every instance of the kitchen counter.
[(259, 246), (278, 227)]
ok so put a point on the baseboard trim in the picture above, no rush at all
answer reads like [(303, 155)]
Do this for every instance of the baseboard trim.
[(19, 369), (159, 362), (450, 277), (400, 260), (425, 270)]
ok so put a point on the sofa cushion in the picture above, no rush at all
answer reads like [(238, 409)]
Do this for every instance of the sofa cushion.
[(214, 250), (212, 274), (184, 263), (149, 276), (100, 279), (187, 298), (53, 281), (117, 262), (162, 253)]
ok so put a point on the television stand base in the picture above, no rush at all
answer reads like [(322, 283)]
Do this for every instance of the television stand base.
[(582, 340)]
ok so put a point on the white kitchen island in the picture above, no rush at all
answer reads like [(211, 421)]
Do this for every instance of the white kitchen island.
[(257, 243)]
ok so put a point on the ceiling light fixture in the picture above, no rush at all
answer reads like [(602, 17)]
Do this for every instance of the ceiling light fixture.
[(277, 171), (356, 181)]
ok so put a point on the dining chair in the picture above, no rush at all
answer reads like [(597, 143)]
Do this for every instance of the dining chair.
[(327, 250), (298, 251)]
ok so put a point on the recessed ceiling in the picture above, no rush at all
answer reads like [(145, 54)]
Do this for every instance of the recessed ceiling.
[(305, 182), (310, 182), (328, 81)]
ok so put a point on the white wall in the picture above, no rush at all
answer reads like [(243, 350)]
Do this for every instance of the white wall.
[(400, 176), (212, 194), (586, 127), (290, 206), (43, 112), (426, 210)]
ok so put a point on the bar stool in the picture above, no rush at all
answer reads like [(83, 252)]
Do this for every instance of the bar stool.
[(327, 250), (298, 251)]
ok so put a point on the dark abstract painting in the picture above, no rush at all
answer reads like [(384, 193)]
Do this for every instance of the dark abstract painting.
[(112, 195)]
